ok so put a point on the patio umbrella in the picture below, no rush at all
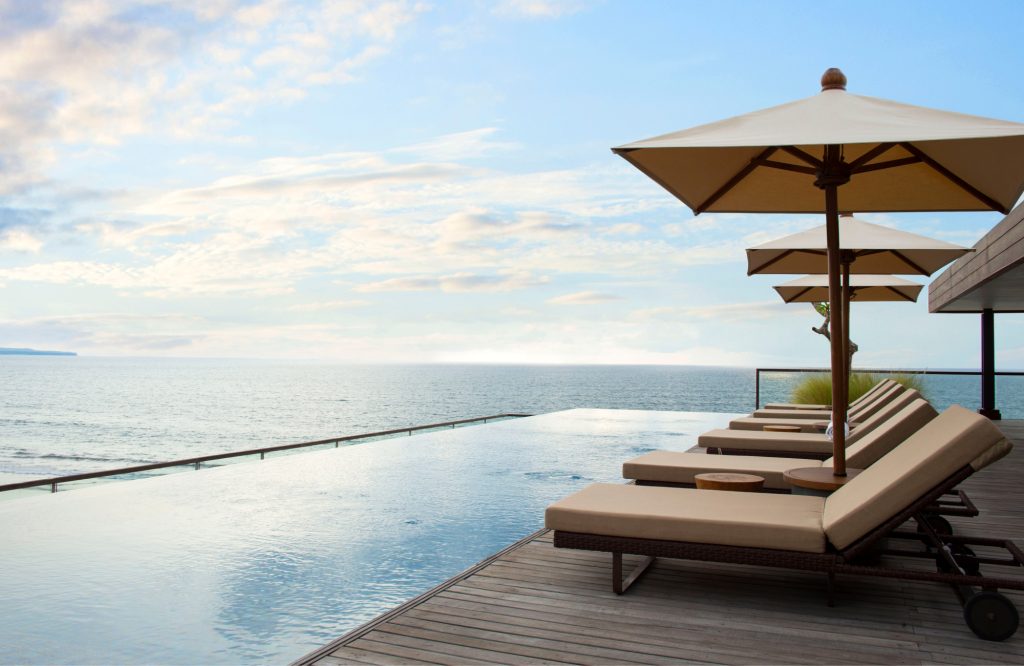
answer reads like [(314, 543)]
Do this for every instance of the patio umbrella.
[(864, 249), (863, 288), (793, 158), (869, 248)]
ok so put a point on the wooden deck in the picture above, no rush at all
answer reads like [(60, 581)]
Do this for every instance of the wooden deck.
[(532, 603)]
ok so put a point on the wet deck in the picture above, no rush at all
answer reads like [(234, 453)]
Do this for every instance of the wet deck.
[(532, 603)]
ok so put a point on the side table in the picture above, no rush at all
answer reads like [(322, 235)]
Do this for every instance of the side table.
[(748, 483)]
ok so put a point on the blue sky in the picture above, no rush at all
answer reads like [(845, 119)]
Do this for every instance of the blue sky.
[(432, 181)]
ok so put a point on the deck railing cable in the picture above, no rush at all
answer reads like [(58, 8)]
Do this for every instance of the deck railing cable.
[(197, 462), (884, 371)]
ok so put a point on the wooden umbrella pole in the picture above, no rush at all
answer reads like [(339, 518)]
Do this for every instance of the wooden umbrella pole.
[(847, 359), (833, 174)]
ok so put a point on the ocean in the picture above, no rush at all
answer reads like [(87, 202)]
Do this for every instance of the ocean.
[(64, 415)]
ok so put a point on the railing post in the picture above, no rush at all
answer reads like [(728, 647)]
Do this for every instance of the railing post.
[(988, 366), (53, 487), (757, 388)]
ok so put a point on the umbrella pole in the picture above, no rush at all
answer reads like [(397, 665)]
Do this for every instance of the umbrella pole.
[(847, 291), (835, 306)]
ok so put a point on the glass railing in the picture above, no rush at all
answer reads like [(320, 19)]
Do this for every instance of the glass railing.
[(138, 471)]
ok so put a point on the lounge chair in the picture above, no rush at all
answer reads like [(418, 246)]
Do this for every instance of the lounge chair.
[(798, 405), (835, 535), (798, 444), (679, 468), (811, 418)]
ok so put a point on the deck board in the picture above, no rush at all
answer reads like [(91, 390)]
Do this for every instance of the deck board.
[(533, 603)]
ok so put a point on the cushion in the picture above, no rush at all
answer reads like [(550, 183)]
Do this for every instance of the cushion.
[(760, 520), (809, 424), (679, 467), (858, 410), (766, 441), (888, 409), (953, 439), (888, 435)]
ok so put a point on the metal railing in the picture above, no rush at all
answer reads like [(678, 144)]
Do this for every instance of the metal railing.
[(882, 371), (54, 481)]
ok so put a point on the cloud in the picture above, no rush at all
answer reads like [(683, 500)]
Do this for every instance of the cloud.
[(93, 74), (726, 312), (538, 9), (459, 282), (625, 229), (460, 145), (323, 306), (19, 240), (477, 225), (105, 332), (584, 298)]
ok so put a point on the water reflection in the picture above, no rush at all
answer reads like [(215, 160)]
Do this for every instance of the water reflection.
[(261, 562)]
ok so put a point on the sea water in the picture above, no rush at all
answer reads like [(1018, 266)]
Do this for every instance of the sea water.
[(64, 415)]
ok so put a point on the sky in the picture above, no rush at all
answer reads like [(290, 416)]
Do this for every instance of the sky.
[(408, 181)]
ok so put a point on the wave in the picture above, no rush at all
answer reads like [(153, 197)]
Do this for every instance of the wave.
[(22, 453)]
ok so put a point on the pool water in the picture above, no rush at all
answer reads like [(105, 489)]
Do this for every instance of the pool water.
[(265, 561)]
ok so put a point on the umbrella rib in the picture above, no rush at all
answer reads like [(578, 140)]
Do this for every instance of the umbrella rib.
[(782, 256), (797, 295), (870, 155), (957, 180), (905, 161), (804, 156), (910, 263), (732, 182), (899, 293), (789, 167)]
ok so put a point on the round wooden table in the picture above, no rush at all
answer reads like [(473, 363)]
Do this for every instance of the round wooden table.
[(747, 483), (781, 428), (817, 480)]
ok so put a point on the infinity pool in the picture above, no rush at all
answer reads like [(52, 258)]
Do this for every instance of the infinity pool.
[(263, 562)]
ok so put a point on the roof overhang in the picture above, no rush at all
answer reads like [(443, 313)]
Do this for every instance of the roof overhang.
[(991, 278)]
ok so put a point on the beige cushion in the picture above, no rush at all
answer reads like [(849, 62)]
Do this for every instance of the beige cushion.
[(900, 426), (679, 467), (751, 440), (858, 411), (758, 423), (761, 520), (890, 407), (864, 397), (947, 443), (863, 411)]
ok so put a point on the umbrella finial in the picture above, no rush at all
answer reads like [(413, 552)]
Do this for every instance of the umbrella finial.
[(833, 79)]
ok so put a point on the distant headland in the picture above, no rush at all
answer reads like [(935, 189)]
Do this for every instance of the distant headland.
[(15, 351)]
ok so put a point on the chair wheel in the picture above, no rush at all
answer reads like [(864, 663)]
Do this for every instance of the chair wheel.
[(991, 616)]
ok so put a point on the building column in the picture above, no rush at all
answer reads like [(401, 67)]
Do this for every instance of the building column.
[(988, 366)]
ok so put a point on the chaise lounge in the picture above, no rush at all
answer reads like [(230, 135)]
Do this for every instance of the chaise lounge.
[(799, 444), (836, 535), (679, 468), (815, 421), (798, 405)]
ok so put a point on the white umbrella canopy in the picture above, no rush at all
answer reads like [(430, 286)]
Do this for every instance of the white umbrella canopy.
[(897, 157), (870, 249), (794, 158), (863, 288)]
